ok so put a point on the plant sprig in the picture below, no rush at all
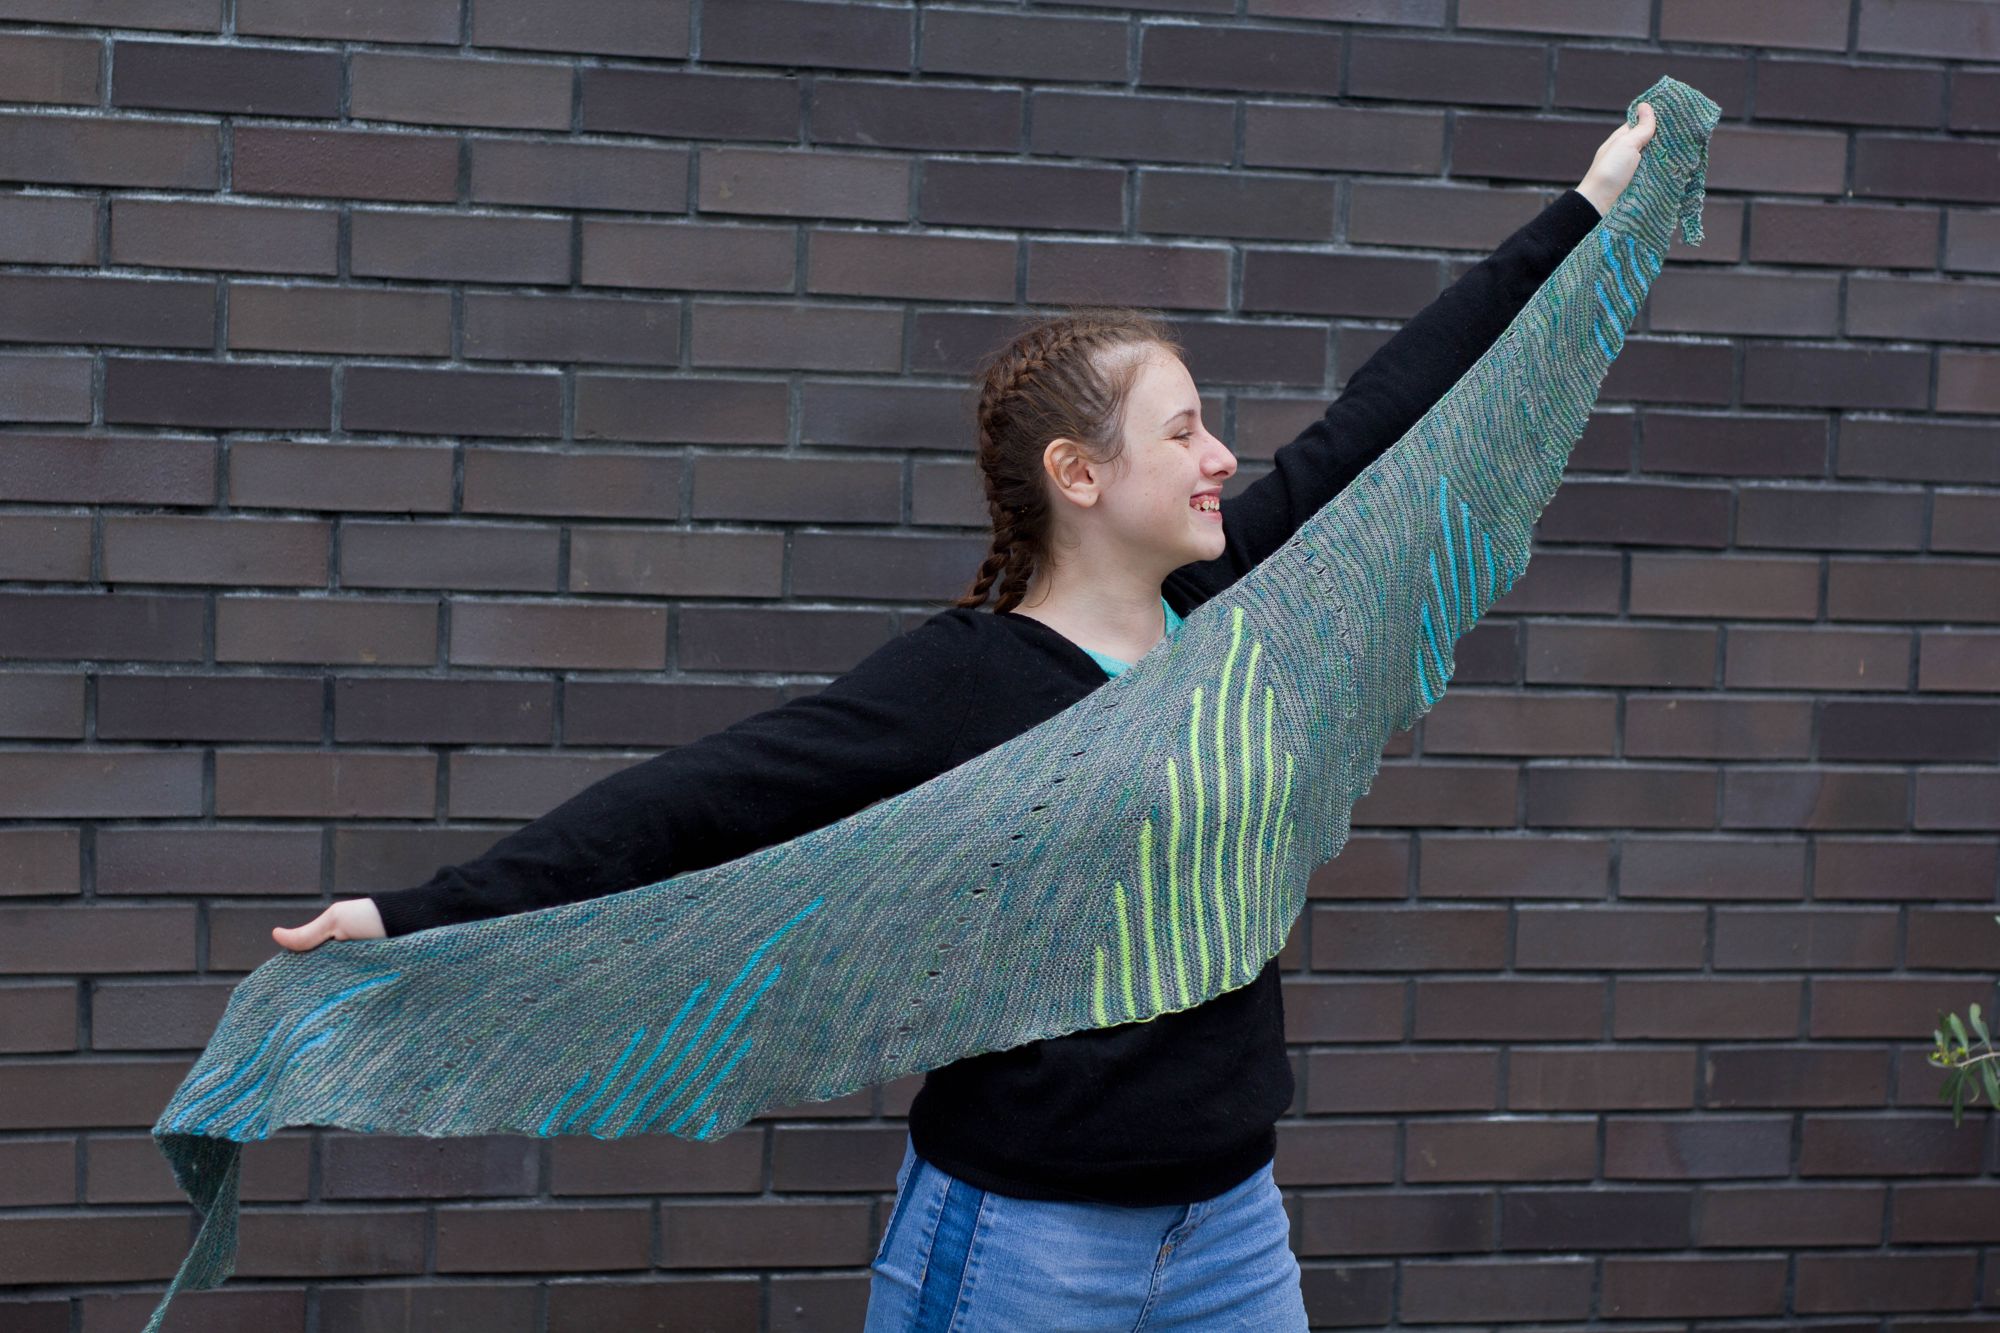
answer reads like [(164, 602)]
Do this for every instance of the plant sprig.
[(1968, 1069)]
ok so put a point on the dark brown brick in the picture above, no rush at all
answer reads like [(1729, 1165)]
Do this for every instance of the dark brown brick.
[(1508, 1009), (1406, 794), (797, 1234), (1603, 78), (800, 184), (155, 1016), (224, 395), (448, 247), (1575, 938), (46, 388), (1927, 28), (1903, 167), (269, 1310), (936, 268), (1455, 866), (102, 1246), (367, 1166), (1759, 1217), (36, 1017), (1876, 1145), (358, 164), (490, 556), (1910, 730), (488, 786), (37, 1172), (1955, 310), (1968, 381), (434, 21), (538, 634), (208, 861), (786, 641), (580, 175), (1801, 658), (1972, 240), (1943, 590), (1632, 796), (68, 1094), (1619, 18), (504, 327), (282, 474), (307, 784), (207, 707), (787, 32), (1939, 1213), (48, 548), (796, 336), (76, 150), (1865, 868), (1511, 1289), (1412, 69), (1707, 586), (1835, 377), (47, 68), (622, 28), (110, 627), (900, 568), (198, 549), (452, 90), (41, 704), (1125, 127), (798, 490), (1711, 868), (1235, 204), (1597, 1079), (703, 1302), (1975, 100), (319, 631), (1846, 94), (1038, 47), (114, 311), (48, 229), (451, 402), (1682, 1287), (1435, 1221), (1007, 194), (1183, 277), (1954, 660), (600, 1238), (678, 410), (1704, 1008), (1815, 24), (1675, 727), (350, 1242), (1812, 798), (1238, 60), (39, 861), (183, 234), (387, 1308), (683, 256), (167, 15), (640, 713), (271, 317), (54, 784), (1344, 139), (657, 1164), (1772, 304), (917, 116), (604, 485), (376, 709), (687, 104), (186, 76)]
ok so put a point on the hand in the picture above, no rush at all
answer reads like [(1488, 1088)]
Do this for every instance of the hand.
[(351, 919), (1617, 158)]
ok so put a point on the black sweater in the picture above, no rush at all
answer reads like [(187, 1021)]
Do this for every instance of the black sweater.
[(1173, 1110)]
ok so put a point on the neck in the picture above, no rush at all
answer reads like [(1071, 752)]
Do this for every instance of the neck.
[(1115, 606)]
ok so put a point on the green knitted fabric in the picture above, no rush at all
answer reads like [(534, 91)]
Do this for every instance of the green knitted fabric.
[(1143, 851)]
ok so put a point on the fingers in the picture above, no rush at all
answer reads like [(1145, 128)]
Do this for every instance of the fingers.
[(308, 936)]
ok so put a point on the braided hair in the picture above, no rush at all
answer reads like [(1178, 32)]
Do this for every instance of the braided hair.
[(1049, 381)]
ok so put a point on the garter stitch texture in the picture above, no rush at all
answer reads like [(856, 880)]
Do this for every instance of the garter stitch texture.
[(1142, 851)]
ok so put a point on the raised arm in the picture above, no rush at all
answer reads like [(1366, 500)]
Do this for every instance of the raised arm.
[(880, 729)]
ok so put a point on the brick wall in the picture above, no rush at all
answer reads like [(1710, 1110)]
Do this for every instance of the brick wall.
[(415, 410)]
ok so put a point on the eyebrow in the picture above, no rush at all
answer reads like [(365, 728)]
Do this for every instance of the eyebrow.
[(1184, 412)]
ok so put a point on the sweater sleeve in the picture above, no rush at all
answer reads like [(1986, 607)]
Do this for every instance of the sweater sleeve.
[(880, 729), (1392, 389)]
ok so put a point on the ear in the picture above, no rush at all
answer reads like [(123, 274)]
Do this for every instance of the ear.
[(1072, 474)]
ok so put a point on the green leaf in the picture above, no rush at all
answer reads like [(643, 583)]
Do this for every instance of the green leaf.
[(1992, 1079), (1979, 1026), (1958, 1030)]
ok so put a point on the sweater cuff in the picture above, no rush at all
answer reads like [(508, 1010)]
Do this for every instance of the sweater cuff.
[(405, 911), (1573, 216)]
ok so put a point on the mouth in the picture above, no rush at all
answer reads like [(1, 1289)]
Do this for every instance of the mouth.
[(1208, 504)]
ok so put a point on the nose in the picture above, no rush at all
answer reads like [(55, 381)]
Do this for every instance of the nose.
[(1220, 462)]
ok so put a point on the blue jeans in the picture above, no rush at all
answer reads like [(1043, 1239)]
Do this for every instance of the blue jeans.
[(957, 1259)]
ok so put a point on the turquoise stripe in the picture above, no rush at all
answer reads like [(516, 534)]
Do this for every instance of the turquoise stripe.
[(1471, 561), (227, 1129), (609, 1079), (1618, 277), (658, 1049), (562, 1101), (709, 1087), (1611, 312), (1609, 355), (1450, 557), (1489, 567), (242, 1071), (718, 1044), (1444, 676), (1437, 588), (1423, 685), (381, 979)]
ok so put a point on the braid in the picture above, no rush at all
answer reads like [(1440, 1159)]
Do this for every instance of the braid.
[(1042, 385)]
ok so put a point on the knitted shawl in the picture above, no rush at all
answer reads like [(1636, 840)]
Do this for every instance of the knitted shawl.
[(1140, 852)]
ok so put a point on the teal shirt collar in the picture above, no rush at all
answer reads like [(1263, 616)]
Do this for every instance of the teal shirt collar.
[(1112, 666)]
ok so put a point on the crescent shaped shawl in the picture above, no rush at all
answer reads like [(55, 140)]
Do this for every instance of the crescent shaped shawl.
[(1142, 851)]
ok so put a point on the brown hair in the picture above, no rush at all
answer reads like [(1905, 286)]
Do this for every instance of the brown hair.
[(1049, 381)]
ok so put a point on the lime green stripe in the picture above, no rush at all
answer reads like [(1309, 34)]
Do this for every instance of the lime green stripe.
[(1284, 804), (1243, 768), (1264, 887), (1125, 952), (1194, 859), (1146, 903), (1097, 1003), (1174, 867), (1222, 789)]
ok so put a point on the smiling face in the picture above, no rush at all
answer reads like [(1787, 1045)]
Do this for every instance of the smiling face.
[(1170, 460)]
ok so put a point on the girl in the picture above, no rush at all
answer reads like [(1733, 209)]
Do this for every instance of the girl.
[(1114, 1178)]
